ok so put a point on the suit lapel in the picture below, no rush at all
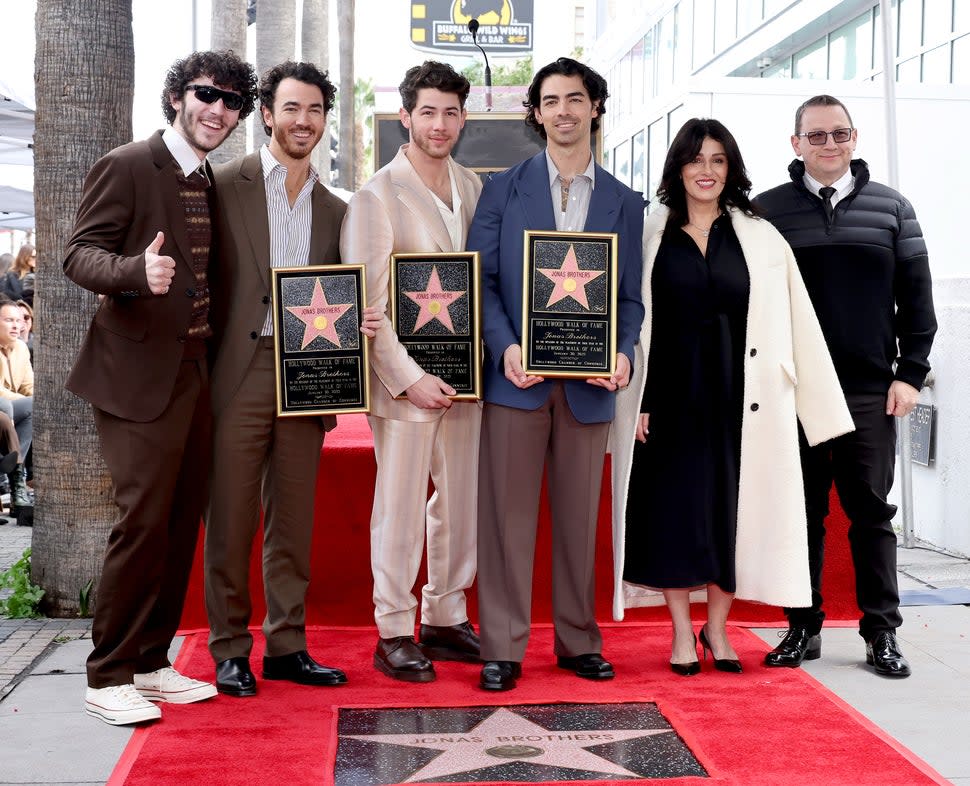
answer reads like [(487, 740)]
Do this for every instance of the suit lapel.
[(416, 198), (251, 192), (322, 226), (167, 185), (535, 194)]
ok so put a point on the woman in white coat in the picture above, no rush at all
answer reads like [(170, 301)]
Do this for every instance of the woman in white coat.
[(707, 484)]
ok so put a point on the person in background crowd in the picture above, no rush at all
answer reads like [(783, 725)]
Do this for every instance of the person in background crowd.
[(422, 201), (18, 282), (861, 253), (529, 423), (142, 241), (16, 397), (708, 491)]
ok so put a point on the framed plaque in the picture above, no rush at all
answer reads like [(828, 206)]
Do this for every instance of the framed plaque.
[(569, 304), (436, 313), (321, 355)]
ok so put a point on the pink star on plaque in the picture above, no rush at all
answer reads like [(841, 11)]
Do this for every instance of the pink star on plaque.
[(434, 302), (319, 317), (569, 280)]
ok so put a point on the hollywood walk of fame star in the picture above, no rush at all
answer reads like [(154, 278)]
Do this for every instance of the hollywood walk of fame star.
[(434, 302), (505, 736), (319, 317), (569, 280)]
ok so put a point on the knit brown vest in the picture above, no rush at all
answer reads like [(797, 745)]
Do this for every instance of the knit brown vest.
[(195, 202)]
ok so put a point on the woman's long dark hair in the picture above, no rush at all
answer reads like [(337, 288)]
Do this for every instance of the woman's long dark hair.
[(684, 149)]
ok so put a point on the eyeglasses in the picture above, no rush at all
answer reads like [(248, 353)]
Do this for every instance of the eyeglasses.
[(208, 94), (816, 137)]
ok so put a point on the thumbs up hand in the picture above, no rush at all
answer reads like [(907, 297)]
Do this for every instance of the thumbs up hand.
[(159, 269)]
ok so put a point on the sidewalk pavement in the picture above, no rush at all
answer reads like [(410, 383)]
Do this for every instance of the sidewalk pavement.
[(46, 738)]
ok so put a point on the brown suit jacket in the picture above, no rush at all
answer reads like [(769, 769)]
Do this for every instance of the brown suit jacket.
[(131, 353), (242, 272), (394, 213)]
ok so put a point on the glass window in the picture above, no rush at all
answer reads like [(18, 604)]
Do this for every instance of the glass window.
[(937, 18), (636, 76), (636, 169), (681, 45), (622, 90), (607, 161), (781, 69), (936, 66), (850, 49), (910, 29), (773, 7), (649, 63), (961, 61), (703, 32), (675, 119), (665, 53), (725, 24), (907, 72), (749, 15), (811, 62), (657, 142), (621, 162)]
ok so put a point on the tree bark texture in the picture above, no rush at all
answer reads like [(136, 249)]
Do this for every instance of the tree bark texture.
[(229, 32), (84, 76), (347, 146), (275, 43)]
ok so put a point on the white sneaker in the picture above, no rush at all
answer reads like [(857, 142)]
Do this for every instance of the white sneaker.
[(168, 685), (119, 705)]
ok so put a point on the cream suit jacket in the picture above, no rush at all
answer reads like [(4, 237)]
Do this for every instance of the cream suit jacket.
[(395, 213)]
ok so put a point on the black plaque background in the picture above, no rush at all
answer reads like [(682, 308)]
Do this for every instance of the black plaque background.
[(588, 335), (322, 378), (433, 347)]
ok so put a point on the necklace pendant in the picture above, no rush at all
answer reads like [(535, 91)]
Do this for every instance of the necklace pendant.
[(705, 232)]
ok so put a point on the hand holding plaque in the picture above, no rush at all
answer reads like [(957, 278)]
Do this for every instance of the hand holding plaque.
[(569, 305)]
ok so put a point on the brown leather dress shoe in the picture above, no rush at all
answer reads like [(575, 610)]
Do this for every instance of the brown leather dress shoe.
[(450, 642), (401, 659)]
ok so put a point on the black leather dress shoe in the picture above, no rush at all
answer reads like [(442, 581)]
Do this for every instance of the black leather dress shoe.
[(400, 659), (450, 642), (798, 645), (882, 653), (500, 674), (235, 678), (300, 668), (591, 666)]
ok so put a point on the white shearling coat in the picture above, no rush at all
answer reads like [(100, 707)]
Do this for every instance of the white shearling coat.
[(788, 373)]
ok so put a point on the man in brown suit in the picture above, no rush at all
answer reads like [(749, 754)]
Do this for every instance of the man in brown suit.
[(273, 212), (141, 241)]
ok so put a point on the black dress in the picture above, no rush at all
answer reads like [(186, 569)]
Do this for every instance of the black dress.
[(681, 514)]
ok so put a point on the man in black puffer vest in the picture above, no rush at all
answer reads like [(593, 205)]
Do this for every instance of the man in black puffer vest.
[(861, 253)]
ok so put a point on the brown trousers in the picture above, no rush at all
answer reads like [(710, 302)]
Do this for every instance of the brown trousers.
[(515, 445), (260, 459), (159, 472)]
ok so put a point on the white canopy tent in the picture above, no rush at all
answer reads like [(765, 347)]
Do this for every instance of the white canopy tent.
[(16, 148)]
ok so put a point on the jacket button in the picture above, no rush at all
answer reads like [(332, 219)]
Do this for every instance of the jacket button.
[(754, 407), (190, 292), (265, 299), (254, 335), (753, 352), (181, 339)]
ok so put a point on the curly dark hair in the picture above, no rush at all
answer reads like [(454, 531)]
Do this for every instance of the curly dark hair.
[(684, 149), (565, 66), (303, 72), (225, 68), (431, 73)]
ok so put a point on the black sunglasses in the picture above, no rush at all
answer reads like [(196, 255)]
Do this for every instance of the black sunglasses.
[(208, 94)]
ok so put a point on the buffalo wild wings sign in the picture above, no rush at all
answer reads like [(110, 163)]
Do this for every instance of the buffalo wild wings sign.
[(505, 26)]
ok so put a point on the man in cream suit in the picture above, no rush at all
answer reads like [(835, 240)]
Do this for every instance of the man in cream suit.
[(422, 201), (273, 212)]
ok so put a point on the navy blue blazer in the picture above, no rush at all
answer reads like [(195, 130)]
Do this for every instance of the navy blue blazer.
[(520, 199)]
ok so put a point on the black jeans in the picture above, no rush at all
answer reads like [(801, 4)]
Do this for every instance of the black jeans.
[(861, 464)]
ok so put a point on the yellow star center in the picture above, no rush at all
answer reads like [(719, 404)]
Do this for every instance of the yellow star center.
[(320, 323), (569, 285), (434, 307)]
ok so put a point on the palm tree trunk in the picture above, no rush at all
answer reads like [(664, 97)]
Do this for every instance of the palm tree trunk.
[(275, 42), (229, 32), (84, 75), (345, 35), (316, 49)]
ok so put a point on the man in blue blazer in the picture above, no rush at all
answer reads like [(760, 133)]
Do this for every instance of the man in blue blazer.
[(529, 422)]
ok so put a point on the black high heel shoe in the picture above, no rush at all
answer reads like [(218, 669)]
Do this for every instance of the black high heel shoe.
[(687, 669), (721, 664)]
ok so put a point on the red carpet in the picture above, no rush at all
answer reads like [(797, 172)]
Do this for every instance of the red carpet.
[(340, 590), (745, 730)]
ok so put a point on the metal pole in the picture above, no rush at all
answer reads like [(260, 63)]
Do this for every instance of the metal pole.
[(195, 25), (892, 154)]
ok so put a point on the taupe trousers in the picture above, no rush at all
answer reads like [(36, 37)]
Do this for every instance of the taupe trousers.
[(515, 446)]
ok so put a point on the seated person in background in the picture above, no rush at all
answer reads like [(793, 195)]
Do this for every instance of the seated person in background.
[(10, 447), (16, 386)]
